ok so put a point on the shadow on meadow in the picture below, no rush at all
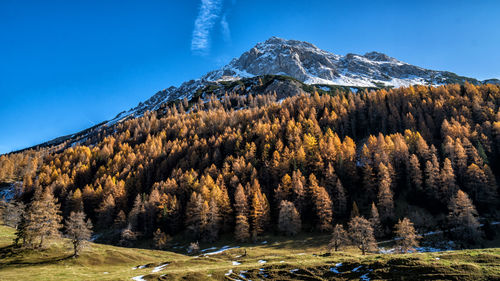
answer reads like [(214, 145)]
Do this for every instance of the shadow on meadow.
[(12, 255)]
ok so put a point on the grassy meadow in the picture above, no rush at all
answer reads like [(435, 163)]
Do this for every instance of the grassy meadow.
[(273, 258)]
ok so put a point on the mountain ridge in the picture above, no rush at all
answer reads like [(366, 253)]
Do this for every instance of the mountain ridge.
[(312, 65), (300, 60), (309, 64)]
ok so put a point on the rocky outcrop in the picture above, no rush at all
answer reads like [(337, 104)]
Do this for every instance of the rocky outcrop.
[(309, 64)]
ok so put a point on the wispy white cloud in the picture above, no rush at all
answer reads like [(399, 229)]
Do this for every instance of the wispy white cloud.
[(226, 32), (209, 13)]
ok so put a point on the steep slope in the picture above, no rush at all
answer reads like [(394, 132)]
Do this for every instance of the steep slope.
[(302, 61), (282, 86), (309, 64)]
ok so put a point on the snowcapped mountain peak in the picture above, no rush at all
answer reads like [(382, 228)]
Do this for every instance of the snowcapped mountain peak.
[(312, 65), (307, 63), (278, 57)]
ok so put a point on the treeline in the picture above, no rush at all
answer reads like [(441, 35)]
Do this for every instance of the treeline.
[(306, 163), (20, 166)]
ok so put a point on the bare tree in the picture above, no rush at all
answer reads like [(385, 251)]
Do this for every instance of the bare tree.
[(339, 238), (78, 230), (194, 248), (407, 236), (289, 219), (361, 233), (13, 213), (42, 219), (463, 218)]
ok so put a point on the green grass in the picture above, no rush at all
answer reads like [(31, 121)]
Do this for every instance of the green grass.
[(56, 262), (306, 255)]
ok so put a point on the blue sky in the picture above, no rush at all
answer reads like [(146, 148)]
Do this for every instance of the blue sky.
[(66, 65)]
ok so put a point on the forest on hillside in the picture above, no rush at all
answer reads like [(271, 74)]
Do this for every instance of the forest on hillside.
[(248, 165)]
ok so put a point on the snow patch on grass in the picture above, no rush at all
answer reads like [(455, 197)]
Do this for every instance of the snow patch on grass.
[(223, 249), (431, 249), (262, 271), (208, 249), (242, 275), (423, 249), (335, 269), (364, 277), (159, 268), (357, 268), (383, 250)]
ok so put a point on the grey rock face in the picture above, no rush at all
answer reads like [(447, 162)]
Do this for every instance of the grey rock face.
[(284, 89), (309, 64), (297, 59)]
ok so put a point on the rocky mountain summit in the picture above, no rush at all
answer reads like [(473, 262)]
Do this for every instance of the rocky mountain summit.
[(290, 67), (311, 65), (308, 64)]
